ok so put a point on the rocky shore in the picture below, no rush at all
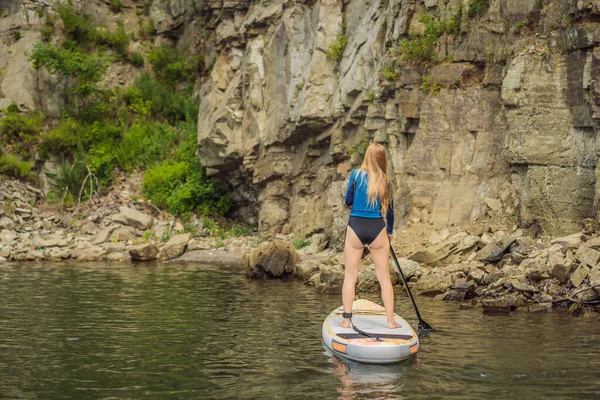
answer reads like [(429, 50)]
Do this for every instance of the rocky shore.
[(483, 265), (118, 227)]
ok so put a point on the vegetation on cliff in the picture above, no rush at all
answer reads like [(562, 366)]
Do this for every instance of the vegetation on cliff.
[(149, 126)]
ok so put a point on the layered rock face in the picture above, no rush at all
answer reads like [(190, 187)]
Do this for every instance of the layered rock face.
[(514, 120)]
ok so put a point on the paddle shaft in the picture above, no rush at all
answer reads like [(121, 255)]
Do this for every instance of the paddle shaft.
[(422, 324)]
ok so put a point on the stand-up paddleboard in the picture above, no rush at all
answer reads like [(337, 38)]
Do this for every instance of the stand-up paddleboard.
[(384, 347)]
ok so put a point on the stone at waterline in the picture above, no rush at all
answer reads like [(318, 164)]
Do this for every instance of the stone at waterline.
[(274, 259), (5, 252), (504, 303), (94, 253), (135, 218), (143, 252), (494, 251), (176, 246), (367, 279), (119, 256), (433, 284), (409, 268), (541, 307), (121, 234), (306, 269), (330, 278), (522, 286), (462, 291)]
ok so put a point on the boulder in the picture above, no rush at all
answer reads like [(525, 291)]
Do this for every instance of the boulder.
[(410, 268), (521, 249), (176, 246), (494, 205), (568, 241), (521, 286), (135, 218), (306, 269), (462, 291), (2, 260), (561, 272), (331, 278), (541, 307), (579, 275), (118, 256), (6, 223), (447, 251), (318, 243), (587, 256), (475, 274), (431, 285), (94, 253), (275, 259), (494, 251), (104, 234), (503, 303), (122, 234), (7, 237), (143, 252)]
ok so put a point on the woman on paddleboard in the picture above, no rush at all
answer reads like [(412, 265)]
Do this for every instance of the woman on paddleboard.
[(370, 195)]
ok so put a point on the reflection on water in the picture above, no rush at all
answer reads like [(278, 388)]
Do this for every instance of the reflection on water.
[(206, 332)]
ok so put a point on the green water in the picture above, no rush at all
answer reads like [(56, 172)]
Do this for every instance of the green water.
[(91, 332)]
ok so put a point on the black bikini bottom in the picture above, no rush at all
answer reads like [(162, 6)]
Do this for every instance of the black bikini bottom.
[(367, 229)]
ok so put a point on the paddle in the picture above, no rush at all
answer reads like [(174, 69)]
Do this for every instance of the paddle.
[(423, 326)]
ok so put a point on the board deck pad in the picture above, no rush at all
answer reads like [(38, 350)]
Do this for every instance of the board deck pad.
[(369, 317), (382, 346)]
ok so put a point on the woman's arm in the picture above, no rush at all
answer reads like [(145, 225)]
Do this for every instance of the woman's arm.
[(349, 198)]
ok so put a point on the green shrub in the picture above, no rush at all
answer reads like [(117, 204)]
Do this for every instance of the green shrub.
[(170, 66), (85, 68), (68, 180), (336, 49), (477, 8), (48, 28), (146, 29), (79, 27), (13, 108), (17, 35), (421, 48), (429, 85), (453, 26), (62, 139), (301, 243), (136, 59), (182, 188), (21, 131), (144, 144), (11, 166), (116, 6)]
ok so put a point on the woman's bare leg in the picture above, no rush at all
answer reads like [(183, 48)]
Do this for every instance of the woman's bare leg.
[(353, 249), (380, 252)]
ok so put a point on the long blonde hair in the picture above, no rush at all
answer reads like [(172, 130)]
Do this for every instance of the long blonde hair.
[(375, 164)]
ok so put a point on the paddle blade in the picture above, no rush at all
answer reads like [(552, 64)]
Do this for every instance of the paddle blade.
[(425, 327)]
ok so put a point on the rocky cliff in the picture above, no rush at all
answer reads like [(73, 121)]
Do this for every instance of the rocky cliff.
[(498, 116), (503, 115)]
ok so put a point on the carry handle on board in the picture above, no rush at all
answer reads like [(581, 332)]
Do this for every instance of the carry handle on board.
[(423, 326)]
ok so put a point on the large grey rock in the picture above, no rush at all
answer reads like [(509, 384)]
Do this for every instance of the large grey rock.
[(275, 259), (104, 234), (433, 284), (579, 275), (94, 253), (143, 252), (494, 251), (588, 256), (176, 246), (135, 218), (6, 223), (2, 260), (7, 237)]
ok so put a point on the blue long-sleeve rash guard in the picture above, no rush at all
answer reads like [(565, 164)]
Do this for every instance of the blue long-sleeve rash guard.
[(359, 182)]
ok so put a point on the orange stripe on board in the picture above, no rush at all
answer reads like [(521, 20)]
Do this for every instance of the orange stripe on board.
[(339, 347), (414, 349)]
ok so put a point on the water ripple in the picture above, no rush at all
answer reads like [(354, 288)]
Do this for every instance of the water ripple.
[(206, 332)]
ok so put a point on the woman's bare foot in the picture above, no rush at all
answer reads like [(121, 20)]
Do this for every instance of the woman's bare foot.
[(345, 323), (393, 325)]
